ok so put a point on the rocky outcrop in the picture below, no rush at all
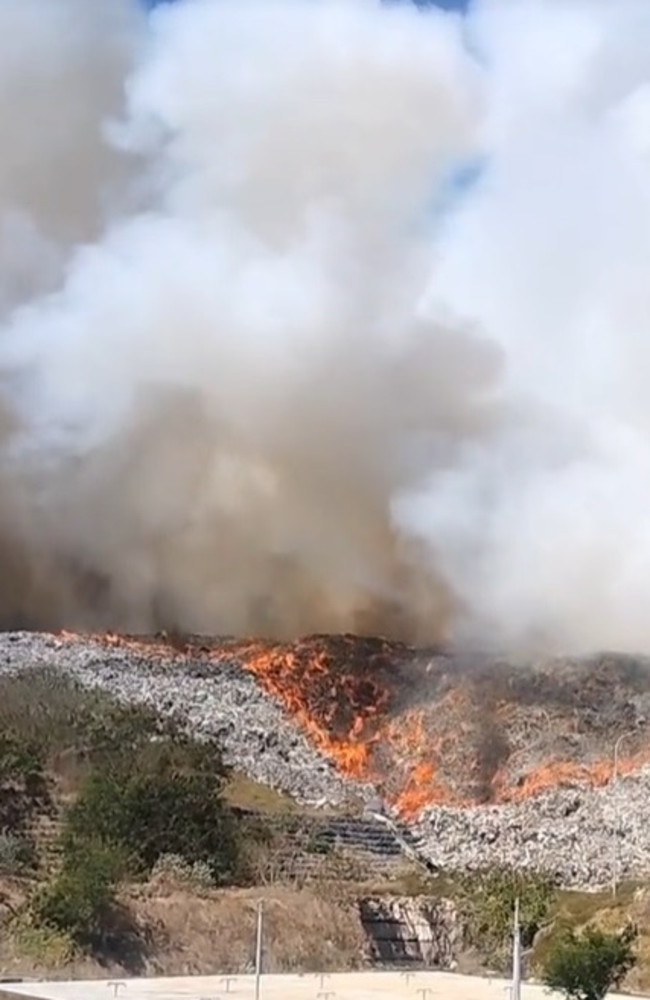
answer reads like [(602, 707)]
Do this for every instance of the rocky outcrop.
[(412, 931)]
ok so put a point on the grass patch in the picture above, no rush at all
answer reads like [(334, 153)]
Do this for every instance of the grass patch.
[(242, 792), (304, 930), (576, 910), (580, 907), (44, 946)]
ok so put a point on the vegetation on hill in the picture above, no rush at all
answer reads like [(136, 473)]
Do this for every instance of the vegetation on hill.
[(487, 899), (127, 787), (587, 965), (106, 810)]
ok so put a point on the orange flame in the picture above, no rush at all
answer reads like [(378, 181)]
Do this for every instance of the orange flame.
[(346, 694)]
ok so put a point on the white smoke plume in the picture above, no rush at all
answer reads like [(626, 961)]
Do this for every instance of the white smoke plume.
[(264, 369)]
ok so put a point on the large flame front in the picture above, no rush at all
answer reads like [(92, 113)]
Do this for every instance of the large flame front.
[(399, 718)]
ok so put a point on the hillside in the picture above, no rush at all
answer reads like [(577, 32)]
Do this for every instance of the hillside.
[(320, 857), (485, 760)]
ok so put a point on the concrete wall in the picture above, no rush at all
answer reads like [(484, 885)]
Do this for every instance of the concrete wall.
[(415, 932)]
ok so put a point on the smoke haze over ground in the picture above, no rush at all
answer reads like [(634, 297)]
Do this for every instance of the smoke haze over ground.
[(266, 365)]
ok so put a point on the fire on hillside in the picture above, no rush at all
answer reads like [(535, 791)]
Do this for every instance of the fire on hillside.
[(412, 723)]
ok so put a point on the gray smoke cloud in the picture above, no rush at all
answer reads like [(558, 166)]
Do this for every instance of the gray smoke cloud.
[(261, 372)]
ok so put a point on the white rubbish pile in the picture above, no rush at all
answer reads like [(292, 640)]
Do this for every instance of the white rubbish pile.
[(255, 734), (577, 833)]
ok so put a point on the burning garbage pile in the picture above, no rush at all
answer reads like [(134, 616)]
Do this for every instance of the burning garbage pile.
[(485, 761), (428, 728)]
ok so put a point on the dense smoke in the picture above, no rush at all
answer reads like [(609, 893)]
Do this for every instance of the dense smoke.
[(327, 315)]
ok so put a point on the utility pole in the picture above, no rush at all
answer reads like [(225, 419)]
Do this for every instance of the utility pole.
[(515, 991), (258, 948)]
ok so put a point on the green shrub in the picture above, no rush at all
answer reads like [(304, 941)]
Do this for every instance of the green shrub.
[(173, 868), (168, 804), (586, 966), (487, 899), (78, 901)]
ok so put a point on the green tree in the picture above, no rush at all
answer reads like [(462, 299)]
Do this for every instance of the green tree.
[(587, 966), (167, 801), (487, 899)]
